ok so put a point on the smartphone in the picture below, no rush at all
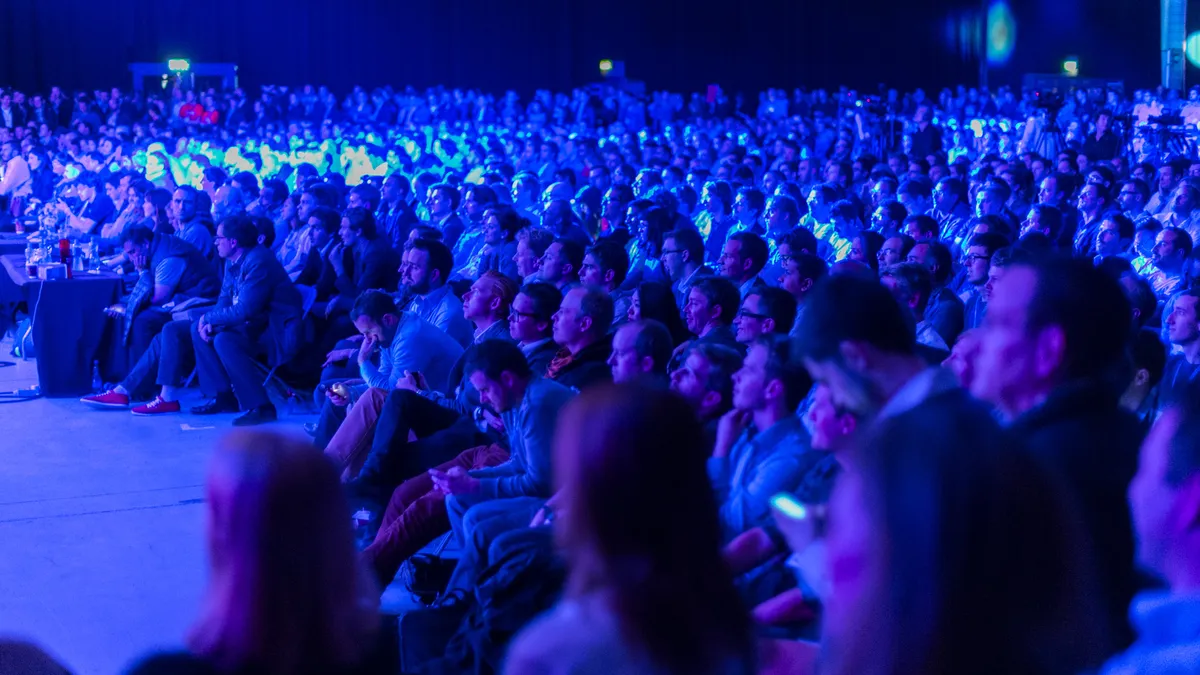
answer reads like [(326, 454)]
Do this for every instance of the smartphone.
[(789, 506)]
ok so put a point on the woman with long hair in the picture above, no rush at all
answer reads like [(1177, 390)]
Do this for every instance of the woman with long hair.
[(158, 218), (286, 593), (648, 590), (951, 549), (654, 300)]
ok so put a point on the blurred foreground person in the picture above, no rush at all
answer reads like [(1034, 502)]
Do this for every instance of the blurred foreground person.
[(948, 561), (648, 591), (286, 594)]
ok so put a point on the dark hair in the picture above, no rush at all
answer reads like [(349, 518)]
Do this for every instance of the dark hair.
[(653, 340), (1183, 240), (279, 190), (450, 192), (871, 242), (1148, 352), (494, 357), (610, 255), (800, 240), (1141, 187), (924, 224), (984, 528), (689, 240), (914, 279), (1090, 308), (597, 305), (723, 191), (368, 193), (723, 362), (754, 248), (373, 304), (777, 304), (137, 235), (248, 181), (1141, 297), (242, 230), (573, 251), (658, 305), (361, 220), (536, 238), (789, 208), (721, 292), (266, 229), (811, 267), (671, 592), (989, 241), (945, 261), (330, 219), (440, 257), (789, 371), (847, 307), (545, 296)]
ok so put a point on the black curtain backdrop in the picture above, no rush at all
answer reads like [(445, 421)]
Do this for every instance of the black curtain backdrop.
[(556, 44)]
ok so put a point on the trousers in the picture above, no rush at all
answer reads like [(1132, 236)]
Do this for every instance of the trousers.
[(226, 363), (351, 443), (416, 514), (167, 360), (477, 524)]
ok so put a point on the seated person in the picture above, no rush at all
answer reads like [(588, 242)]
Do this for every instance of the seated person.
[(167, 361), (310, 266), (443, 422), (581, 330), (170, 271), (362, 260), (487, 502), (763, 449), (498, 247), (561, 263), (641, 351), (705, 380), (605, 265), (423, 275), (402, 343), (531, 323), (765, 310), (94, 208), (259, 310), (712, 305)]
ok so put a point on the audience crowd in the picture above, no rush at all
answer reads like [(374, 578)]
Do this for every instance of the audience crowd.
[(827, 384)]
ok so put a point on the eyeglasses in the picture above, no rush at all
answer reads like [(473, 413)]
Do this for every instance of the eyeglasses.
[(667, 251), (743, 313), (514, 313), (975, 257)]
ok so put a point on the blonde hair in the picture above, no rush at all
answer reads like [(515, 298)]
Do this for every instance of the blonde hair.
[(286, 590)]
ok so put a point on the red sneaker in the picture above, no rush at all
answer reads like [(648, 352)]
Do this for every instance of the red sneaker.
[(109, 399), (156, 407)]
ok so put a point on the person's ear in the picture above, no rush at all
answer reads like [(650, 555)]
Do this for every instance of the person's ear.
[(1050, 351), (710, 400), (1141, 377), (568, 269), (647, 364), (609, 276), (806, 285), (768, 325), (854, 355), (585, 324), (774, 390), (1187, 505), (685, 256)]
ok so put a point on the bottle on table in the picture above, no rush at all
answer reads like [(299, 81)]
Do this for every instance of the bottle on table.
[(31, 256), (97, 381), (64, 252)]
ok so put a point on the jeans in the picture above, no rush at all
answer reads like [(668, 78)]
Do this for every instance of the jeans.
[(478, 523), (441, 434), (331, 419), (167, 360), (147, 324), (226, 363), (416, 514)]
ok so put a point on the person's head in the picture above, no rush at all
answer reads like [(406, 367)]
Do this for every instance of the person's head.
[(235, 235), (364, 196), (1183, 322), (1049, 323), (286, 591), (395, 189), (1145, 237), (1053, 189), (640, 349), (489, 298), (978, 259), (801, 272), (895, 250), (1168, 178), (605, 264), (682, 251), (183, 203), (948, 194), (561, 262), (1171, 248), (670, 592), (1115, 235), (1045, 219), (748, 205), (583, 318), (920, 228), (849, 325), (844, 217), (425, 265), (782, 213), (357, 225), (532, 243), (442, 200), (376, 316), (769, 379), (914, 196), (911, 284), (478, 199), (705, 379), (136, 242), (765, 310), (499, 371), (717, 198), (1133, 195), (991, 199), (1149, 359), (711, 301), (1165, 492), (530, 318), (743, 257), (935, 257), (1093, 199), (945, 513)]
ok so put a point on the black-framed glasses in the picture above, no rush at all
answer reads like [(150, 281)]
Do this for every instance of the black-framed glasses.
[(514, 313), (974, 257), (746, 314), (667, 251)]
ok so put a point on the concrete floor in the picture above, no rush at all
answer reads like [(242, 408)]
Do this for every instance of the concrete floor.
[(101, 516)]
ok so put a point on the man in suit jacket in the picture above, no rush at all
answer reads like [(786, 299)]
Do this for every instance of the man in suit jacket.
[(259, 308), (363, 260)]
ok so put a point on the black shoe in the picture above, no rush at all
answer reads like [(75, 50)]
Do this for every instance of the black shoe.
[(223, 403), (260, 415)]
